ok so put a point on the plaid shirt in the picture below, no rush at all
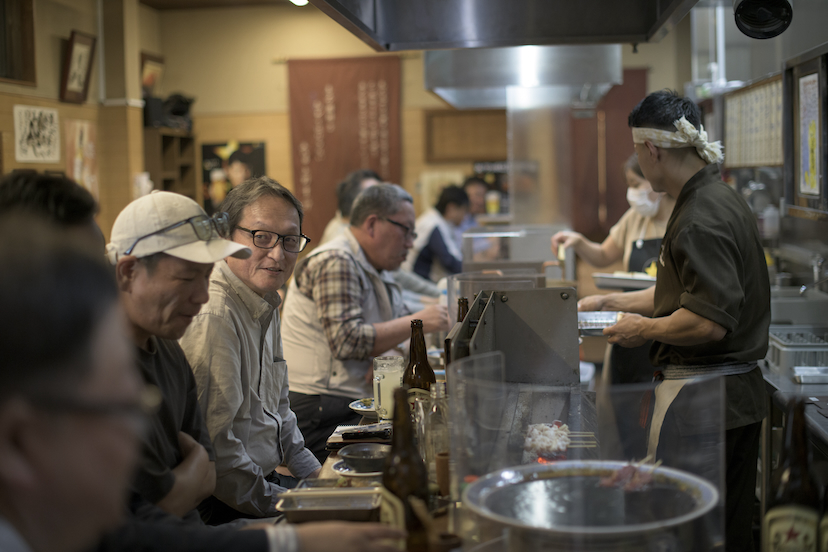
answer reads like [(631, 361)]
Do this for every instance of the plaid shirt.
[(331, 279)]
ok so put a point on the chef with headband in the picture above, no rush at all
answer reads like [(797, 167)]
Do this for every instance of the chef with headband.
[(709, 312)]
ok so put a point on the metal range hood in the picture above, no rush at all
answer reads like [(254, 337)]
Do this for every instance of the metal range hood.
[(392, 25), (482, 78)]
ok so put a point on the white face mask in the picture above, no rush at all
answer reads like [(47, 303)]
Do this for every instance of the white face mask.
[(640, 200)]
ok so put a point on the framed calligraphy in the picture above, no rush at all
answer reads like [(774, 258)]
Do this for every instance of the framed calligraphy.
[(77, 67)]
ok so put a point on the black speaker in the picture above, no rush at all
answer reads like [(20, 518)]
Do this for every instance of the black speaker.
[(762, 18)]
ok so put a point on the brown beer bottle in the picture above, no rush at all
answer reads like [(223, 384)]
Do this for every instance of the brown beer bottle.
[(792, 517), (405, 473), (418, 375)]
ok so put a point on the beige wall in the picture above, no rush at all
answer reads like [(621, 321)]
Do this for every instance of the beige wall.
[(54, 21), (668, 60), (234, 62)]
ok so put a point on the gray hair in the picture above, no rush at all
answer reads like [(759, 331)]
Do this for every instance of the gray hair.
[(382, 200), (249, 192)]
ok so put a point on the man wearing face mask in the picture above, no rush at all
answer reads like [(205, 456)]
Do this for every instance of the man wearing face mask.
[(635, 238)]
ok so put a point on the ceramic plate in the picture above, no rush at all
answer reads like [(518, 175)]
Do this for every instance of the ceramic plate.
[(342, 469), (364, 407)]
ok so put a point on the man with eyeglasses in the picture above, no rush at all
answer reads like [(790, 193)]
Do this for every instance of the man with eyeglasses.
[(343, 307), (163, 247), (70, 396), (235, 348)]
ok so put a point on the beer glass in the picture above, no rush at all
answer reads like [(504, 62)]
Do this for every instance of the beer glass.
[(388, 373)]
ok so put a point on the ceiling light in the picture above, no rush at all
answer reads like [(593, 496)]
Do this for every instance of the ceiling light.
[(300, 2)]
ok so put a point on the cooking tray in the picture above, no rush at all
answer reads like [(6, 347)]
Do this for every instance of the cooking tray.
[(605, 280), (592, 323), (335, 504)]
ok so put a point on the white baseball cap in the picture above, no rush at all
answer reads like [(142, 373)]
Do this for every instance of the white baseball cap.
[(170, 223)]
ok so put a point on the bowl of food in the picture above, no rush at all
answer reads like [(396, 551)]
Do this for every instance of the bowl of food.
[(365, 457)]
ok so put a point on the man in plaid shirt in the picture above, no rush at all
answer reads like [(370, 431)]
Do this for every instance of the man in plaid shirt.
[(343, 308)]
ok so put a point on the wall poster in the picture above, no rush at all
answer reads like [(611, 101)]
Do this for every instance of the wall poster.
[(809, 131), (344, 116), (36, 134), (81, 162), (224, 166)]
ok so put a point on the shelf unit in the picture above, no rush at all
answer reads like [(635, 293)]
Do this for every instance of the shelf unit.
[(169, 157)]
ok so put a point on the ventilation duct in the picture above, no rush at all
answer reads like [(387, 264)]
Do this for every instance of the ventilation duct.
[(561, 75)]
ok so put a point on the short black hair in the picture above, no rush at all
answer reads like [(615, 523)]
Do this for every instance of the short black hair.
[(54, 293), (348, 190), (451, 194), (55, 198), (474, 180), (663, 108)]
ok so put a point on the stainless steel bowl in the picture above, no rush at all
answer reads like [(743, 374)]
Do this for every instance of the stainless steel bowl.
[(365, 457), (561, 506)]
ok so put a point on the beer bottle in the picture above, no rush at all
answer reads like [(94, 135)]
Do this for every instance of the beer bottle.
[(791, 520), (418, 375), (405, 473)]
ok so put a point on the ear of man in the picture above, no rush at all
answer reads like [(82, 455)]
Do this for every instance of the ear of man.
[(126, 271)]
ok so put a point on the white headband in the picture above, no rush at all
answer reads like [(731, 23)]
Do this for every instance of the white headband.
[(686, 136)]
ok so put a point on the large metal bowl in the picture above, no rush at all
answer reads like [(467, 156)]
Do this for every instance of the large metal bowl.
[(561, 506)]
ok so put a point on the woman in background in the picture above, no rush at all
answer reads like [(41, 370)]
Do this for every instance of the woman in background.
[(635, 238)]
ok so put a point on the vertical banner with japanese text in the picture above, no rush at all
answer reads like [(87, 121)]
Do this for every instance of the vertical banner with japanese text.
[(344, 116)]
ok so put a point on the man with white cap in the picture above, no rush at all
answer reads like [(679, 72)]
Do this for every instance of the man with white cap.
[(709, 311), (163, 248)]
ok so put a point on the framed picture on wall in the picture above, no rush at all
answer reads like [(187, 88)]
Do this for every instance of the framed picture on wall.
[(77, 67), (804, 122), (152, 71)]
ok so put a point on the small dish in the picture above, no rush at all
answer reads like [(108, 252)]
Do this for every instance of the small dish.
[(342, 469), (365, 457), (364, 407)]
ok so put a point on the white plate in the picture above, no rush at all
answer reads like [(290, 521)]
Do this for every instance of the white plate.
[(342, 469), (367, 411)]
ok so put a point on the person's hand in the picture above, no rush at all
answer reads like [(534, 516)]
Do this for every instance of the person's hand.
[(565, 238), (435, 318), (347, 537), (201, 469), (627, 331), (591, 303)]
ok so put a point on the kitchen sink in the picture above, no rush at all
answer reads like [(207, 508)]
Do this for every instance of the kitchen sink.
[(789, 307)]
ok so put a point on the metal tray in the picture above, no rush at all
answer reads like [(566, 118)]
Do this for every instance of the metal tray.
[(334, 504), (592, 323), (605, 280), (810, 374)]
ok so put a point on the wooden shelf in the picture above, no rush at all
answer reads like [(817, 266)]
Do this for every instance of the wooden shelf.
[(169, 157)]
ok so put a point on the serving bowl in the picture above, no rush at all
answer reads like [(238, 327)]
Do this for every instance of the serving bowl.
[(365, 457)]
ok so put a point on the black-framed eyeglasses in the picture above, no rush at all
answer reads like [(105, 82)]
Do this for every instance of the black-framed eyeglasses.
[(409, 232), (137, 412), (265, 239), (202, 225)]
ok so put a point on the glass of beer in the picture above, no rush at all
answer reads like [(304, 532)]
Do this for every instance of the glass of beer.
[(388, 373)]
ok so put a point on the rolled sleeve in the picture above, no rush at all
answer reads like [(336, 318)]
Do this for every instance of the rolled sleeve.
[(212, 345), (709, 264), (336, 289)]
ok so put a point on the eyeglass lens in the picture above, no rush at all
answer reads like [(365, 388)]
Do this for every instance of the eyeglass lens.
[(268, 240)]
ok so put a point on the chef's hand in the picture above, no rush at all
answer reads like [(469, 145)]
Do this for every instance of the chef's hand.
[(592, 303), (565, 238), (347, 537), (627, 331)]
